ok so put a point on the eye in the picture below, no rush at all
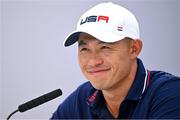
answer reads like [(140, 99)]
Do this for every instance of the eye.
[(83, 49), (105, 47)]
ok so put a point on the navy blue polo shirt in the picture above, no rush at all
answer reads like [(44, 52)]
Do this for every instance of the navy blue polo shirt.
[(153, 94)]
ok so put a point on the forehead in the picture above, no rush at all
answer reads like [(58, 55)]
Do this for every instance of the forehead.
[(84, 38)]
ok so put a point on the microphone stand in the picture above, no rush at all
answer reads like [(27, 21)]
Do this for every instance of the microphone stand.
[(37, 101), (12, 114)]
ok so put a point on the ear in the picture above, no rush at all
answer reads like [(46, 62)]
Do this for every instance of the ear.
[(136, 46)]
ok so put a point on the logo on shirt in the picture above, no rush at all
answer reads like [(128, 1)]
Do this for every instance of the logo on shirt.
[(94, 18)]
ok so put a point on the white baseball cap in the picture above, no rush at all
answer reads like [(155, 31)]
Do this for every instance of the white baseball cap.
[(108, 22)]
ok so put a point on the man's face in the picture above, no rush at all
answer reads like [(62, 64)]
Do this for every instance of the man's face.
[(105, 65)]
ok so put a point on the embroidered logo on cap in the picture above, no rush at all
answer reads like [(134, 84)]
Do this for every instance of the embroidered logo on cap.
[(120, 28), (95, 18)]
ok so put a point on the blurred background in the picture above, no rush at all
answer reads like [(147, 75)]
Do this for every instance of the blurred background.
[(33, 60)]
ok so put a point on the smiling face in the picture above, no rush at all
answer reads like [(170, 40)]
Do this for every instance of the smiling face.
[(105, 65)]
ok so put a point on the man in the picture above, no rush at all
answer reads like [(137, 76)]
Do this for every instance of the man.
[(119, 85)]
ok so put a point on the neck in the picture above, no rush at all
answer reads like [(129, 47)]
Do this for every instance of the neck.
[(115, 96)]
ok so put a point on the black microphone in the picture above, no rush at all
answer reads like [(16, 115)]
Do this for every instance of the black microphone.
[(37, 101)]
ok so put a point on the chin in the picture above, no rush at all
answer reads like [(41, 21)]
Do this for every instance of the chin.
[(99, 83), (99, 86)]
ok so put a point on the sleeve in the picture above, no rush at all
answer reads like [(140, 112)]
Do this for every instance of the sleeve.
[(166, 103)]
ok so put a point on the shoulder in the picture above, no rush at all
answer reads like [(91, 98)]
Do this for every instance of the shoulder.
[(159, 78), (161, 82), (165, 89), (74, 104), (79, 94)]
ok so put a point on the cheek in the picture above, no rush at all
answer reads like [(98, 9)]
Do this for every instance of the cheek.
[(122, 66), (82, 63), (120, 63)]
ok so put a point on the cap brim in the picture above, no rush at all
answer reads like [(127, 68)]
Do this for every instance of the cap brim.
[(71, 38), (102, 35)]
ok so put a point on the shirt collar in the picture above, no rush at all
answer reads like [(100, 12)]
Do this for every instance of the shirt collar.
[(136, 90)]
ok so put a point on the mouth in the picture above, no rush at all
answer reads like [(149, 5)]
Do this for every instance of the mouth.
[(98, 71)]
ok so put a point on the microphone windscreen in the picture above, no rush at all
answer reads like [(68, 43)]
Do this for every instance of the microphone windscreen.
[(40, 100)]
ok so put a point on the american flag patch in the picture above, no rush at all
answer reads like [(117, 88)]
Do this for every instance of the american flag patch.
[(120, 28)]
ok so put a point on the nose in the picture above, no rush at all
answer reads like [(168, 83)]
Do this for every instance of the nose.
[(95, 60)]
